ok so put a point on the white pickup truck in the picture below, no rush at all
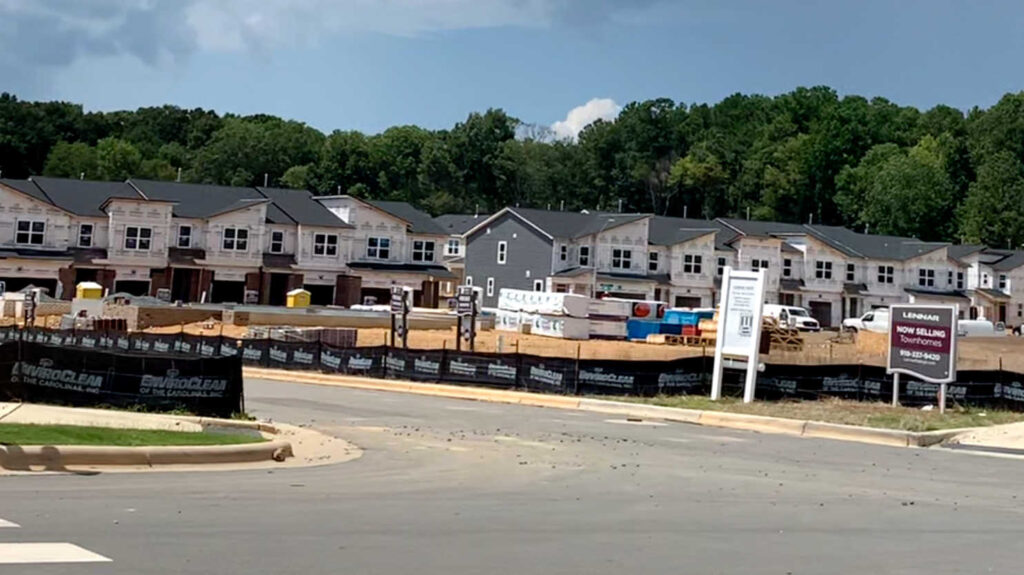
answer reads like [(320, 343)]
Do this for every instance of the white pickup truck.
[(876, 320)]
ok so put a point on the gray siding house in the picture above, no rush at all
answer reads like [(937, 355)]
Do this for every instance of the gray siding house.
[(507, 251)]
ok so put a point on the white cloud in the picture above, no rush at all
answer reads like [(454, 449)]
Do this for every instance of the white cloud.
[(582, 116), (57, 33)]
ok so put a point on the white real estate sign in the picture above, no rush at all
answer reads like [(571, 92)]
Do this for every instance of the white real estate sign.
[(739, 326)]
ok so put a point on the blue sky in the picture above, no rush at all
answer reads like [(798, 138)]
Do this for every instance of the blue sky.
[(370, 64)]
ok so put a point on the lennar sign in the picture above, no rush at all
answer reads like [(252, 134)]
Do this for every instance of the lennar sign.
[(922, 343)]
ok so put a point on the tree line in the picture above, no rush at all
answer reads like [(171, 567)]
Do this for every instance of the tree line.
[(805, 156)]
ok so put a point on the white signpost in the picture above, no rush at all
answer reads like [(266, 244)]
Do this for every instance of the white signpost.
[(739, 326)]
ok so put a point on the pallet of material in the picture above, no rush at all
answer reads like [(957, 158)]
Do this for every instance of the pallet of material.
[(687, 340)]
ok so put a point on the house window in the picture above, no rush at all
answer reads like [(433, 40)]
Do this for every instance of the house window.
[(1002, 281), (502, 253), (949, 278), (984, 280), (453, 247), (787, 268), (758, 265), (692, 264), (490, 287), (422, 251), (538, 285), (584, 256), (277, 242), (30, 233), (563, 253), (325, 245), (184, 236), (136, 238), (378, 248), (622, 259), (652, 262), (721, 266), (926, 278), (85, 235), (236, 240), (959, 280), (851, 272), (885, 274), (1020, 310), (469, 280), (823, 270)]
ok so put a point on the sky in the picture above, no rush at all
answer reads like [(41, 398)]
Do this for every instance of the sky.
[(370, 64)]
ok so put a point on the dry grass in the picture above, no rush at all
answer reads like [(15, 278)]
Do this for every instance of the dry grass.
[(878, 415)]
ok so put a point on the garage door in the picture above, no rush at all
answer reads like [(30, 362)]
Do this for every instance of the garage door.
[(687, 301), (227, 292), (132, 287), (17, 284), (320, 295), (821, 311)]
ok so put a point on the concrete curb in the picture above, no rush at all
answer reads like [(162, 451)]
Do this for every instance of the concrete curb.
[(59, 457), (56, 457), (723, 419)]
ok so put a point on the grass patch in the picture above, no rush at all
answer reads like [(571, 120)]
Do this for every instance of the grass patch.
[(23, 434), (880, 415)]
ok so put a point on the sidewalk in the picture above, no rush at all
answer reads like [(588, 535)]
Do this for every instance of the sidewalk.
[(1007, 439)]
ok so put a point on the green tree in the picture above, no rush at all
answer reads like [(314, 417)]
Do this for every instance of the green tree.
[(297, 177), (905, 193), (993, 212), (117, 159), (72, 160), (701, 179)]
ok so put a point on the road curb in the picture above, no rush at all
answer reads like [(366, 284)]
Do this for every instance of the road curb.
[(59, 457), (758, 423)]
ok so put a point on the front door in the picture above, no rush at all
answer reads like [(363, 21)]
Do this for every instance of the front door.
[(853, 311), (1002, 312)]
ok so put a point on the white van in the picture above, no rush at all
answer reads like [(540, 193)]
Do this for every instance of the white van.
[(979, 328), (791, 316)]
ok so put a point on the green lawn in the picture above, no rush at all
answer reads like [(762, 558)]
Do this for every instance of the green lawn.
[(879, 415), (21, 434)]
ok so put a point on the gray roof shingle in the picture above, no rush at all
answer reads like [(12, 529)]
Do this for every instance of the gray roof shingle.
[(666, 231), (1010, 262), (83, 197), (300, 206), (420, 222), (872, 246), (27, 187), (458, 224), (571, 225), (205, 200)]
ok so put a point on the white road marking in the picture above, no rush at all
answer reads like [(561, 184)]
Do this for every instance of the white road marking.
[(721, 438), (642, 422), (22, 553), (6, 523), (678, 440)]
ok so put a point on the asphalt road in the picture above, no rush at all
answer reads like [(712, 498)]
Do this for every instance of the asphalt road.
[(454, 487)]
